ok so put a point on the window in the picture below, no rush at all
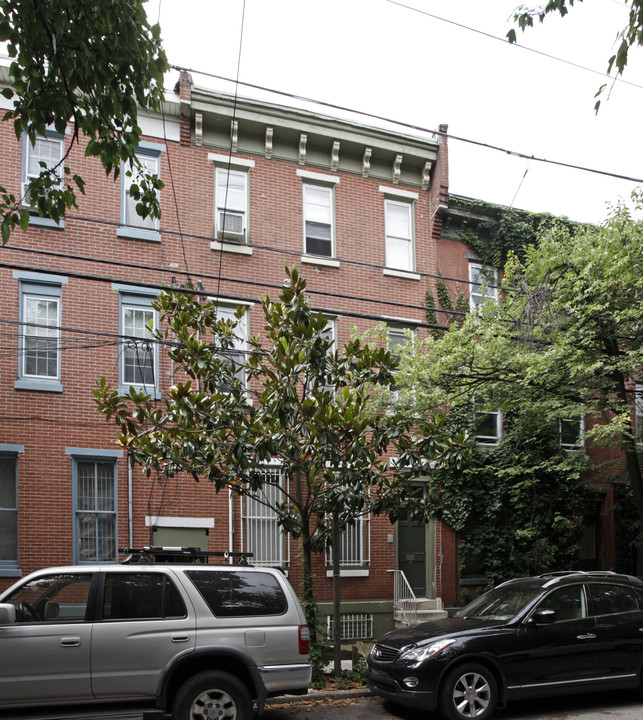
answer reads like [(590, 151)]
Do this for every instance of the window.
[(52, 598), (358, 626), (262, 535), (94, 510), (141, 595), (318, 220), (488, 425), (612, 599), (46, 153), (139, 351), (352, 541), (484, 285), (40, 333), (568, 602), (231, 205), (399, 235), (397, 339), (236, 355), (238, 593), (8, 513), (571, 433), (133, 225)]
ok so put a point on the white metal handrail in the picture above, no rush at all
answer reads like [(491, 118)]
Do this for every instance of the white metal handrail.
[(404, 600)]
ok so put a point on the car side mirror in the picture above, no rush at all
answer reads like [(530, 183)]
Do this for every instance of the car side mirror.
[(7, 614), (543, 617)]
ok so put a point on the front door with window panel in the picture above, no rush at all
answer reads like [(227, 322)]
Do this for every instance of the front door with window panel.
[(46, 653), (415, 552)]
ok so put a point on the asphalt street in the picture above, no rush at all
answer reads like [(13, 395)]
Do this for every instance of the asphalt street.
[(622, 705)]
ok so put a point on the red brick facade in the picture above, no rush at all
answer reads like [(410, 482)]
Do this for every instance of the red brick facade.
[(90, 264)]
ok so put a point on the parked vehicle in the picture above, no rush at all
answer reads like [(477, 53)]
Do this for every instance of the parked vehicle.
[(555, 634), (196, 640)]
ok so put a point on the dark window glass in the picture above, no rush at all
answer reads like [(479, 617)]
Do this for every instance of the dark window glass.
[(133, 596), (52, 598), (318, 239), (610, 599), (568, 602), (240, 594)]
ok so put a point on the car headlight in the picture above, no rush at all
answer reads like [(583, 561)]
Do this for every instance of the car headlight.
[(419, 654)]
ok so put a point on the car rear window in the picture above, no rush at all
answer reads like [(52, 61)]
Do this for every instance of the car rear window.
[(240, 593), (610, 599), (141, 595)]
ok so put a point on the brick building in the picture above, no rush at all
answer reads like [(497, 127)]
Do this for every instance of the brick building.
[(249, 187)]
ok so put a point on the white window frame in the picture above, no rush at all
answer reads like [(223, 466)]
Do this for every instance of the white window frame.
[(581, 432), (261, 533), (39, 287), (53, 139), (481, 290), (354, 549), (133, 301), (94, 517), (396, 242), (132, 224), (397, 336), (225, 310), (224, 209), (312, 183), (496, 415)]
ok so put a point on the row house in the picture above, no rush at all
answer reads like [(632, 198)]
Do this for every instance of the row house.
[(249, 187)]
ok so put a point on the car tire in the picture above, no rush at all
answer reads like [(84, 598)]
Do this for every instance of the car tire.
[(211, 694), (469, 692)]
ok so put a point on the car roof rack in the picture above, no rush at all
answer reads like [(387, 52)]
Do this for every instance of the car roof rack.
[(168, 554)]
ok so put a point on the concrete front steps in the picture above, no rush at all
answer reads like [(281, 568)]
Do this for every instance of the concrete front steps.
[(427, 609)]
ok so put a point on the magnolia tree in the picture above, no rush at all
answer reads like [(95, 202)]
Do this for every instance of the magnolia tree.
[(91, 65), (307, 407), (558, 357)]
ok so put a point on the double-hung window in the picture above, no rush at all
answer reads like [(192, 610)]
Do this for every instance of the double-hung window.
[(397, 338), (94, 493), (571, 433), (236, 354), (483, 285), (354, 543), (139, 356), (488, 425), (399, 218), (45, 154), (261, 533), (134, 225), (319, 213), (9, 509), (231, 203), (40, 332)]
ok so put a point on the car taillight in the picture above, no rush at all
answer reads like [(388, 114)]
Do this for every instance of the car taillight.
[(304, 640)]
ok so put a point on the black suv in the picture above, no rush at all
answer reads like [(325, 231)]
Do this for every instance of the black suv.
[(554, 634)]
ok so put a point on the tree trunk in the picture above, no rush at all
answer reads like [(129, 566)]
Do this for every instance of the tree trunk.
[(337, 623)]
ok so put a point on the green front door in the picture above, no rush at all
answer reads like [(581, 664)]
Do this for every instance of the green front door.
[(415, 552)]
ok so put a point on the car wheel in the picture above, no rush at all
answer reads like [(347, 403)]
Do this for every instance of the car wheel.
[(212, 696), (469, 691)]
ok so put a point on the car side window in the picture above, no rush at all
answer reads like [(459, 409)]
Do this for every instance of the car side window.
[(141, 595), (568, 602), (240, 594), (52, 598), (612, 599)]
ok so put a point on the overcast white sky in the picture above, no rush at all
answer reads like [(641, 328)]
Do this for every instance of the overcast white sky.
[(391, 58)]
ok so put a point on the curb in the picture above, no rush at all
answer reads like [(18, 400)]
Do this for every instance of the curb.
[(320, 695)]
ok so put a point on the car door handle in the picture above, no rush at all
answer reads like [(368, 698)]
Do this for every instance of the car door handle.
[(69, 642), (180, 638), (589, 636)]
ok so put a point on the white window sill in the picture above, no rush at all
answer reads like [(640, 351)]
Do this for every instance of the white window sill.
[(347, 572), (317, 260), (38, 221), (134, 233), (229, 247), (405, 274)]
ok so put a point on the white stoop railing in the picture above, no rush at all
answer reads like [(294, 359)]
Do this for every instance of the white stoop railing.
[(404, 601)]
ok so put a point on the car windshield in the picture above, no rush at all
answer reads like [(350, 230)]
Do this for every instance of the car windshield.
[(501, 603)]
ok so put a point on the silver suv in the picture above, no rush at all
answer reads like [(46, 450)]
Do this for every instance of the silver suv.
[(197, 640)]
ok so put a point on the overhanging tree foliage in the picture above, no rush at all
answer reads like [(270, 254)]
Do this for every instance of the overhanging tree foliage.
[(564, 344), (89, 64), (630, 36), (308, 409)]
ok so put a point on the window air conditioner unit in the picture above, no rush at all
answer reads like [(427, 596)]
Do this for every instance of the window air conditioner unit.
[(230, 225)]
